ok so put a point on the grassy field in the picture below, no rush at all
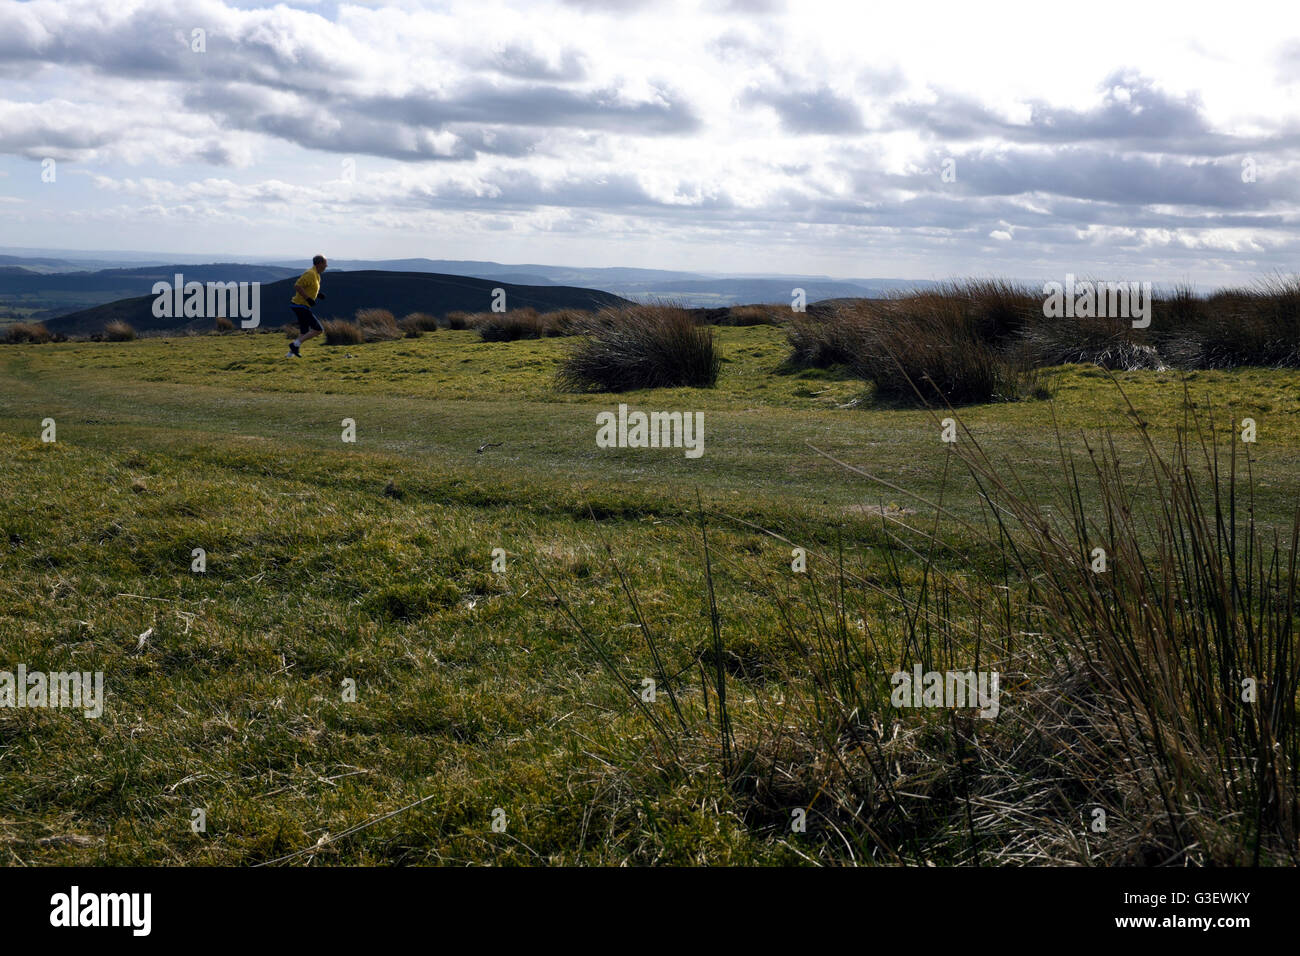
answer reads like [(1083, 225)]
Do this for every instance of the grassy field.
[(476, 692)]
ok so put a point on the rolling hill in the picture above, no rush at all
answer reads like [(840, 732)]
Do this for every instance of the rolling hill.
[(46, 288), (691, 289), (46, 293), (345, 293)]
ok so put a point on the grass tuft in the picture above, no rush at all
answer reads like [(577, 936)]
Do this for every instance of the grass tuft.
[(342, 332), (378, 325), (30, 332), (645, 346), (119, 331)]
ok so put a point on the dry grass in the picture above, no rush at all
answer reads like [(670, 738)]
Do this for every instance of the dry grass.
[(509, 326), (32, 332), (335, 567), (378, 325), (526, 323), (644, 346), (755, 315), (1194, 600), (118, 331), (342, 332), (417, 323), (1123, 736), (822, 339), (566, 321), (1258, 326), (931, 347)]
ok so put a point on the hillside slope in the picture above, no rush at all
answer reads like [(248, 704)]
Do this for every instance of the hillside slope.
[(53, 294), (345, 293)]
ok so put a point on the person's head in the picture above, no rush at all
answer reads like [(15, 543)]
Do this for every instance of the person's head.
[(319, 263)]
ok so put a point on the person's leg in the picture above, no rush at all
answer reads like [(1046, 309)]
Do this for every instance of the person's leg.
[(308, 325), (314, 328)]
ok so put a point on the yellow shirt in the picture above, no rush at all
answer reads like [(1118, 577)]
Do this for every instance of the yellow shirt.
[(309, 280)]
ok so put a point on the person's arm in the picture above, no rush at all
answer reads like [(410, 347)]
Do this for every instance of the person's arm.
[(298, 287)]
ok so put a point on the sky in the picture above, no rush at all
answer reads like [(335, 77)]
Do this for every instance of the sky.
[(1156, 141)]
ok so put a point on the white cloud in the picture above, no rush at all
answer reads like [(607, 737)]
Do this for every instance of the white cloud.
[(809, 135)]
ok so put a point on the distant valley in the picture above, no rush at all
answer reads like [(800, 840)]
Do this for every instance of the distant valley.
[(46, 287)]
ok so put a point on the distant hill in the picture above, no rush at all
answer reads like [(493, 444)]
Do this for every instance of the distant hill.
[(598, 277), (345, 293), (520, 278), (51, 287), (37, 263), (21, 280), (52, 294), (87, 260), (722, 292), (210, 272), (691, 289)]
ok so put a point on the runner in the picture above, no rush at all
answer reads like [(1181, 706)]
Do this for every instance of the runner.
[(306, 292)]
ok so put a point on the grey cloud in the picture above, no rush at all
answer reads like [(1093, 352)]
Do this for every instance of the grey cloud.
[(243, 108), (518, 190), (499, 141), (42, 141), (1133, 113), (1132, 109), (216, 154), (521, 62), (539, 106), (811, 110), (750, 7), (952, 117), (1092, 174), (610, 6), (735, 44), (881, 82), (357, 135), (150, 45), (231, 81), (482, 118), (513, 190)]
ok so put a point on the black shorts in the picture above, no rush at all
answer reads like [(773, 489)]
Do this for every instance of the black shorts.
[(306, 319)]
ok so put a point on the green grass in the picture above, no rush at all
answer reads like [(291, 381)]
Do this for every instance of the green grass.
[(473, 690)]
